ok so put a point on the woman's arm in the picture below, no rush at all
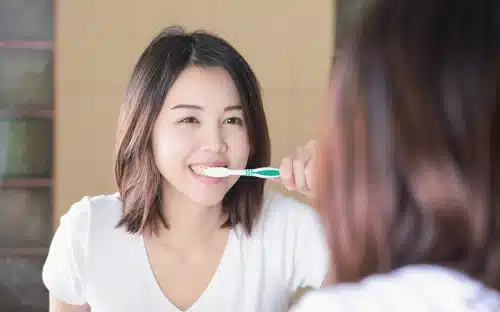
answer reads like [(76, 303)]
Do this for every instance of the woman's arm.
[(57, 305)]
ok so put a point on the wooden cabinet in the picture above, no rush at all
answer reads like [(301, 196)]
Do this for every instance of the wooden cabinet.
[(26, 145)]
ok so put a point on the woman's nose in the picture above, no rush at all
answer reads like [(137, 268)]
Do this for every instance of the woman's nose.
[(214, 140)]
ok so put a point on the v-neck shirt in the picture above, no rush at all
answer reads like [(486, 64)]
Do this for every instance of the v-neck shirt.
[(92, 261)]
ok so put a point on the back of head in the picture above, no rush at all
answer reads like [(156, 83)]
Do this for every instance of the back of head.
[(411, 160)]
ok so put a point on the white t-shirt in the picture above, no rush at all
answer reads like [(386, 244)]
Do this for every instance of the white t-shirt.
[(91, 261), (416, 288)]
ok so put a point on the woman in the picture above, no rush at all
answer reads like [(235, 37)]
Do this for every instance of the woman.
[(172, 239), (410, 167)]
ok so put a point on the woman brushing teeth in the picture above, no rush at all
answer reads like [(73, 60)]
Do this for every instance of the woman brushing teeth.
[(173, 238)]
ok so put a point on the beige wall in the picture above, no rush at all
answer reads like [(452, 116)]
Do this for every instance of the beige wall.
[(287, 42)]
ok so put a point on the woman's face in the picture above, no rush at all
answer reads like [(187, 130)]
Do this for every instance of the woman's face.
[(201, 123)]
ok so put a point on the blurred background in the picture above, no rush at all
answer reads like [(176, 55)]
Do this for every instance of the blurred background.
[(63, 70)]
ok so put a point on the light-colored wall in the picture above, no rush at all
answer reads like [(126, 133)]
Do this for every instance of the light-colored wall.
[(288, 43)]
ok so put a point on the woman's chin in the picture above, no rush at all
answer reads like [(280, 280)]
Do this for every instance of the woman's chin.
[(206, 196), (206, 200)]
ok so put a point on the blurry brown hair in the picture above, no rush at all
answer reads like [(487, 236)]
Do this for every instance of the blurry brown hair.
[(410, 160), (139, 181)]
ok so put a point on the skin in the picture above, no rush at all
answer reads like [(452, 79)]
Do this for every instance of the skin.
[(298, 170), (201, 123)]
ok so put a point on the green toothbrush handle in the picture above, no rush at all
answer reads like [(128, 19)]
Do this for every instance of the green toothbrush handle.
[(265, 173)]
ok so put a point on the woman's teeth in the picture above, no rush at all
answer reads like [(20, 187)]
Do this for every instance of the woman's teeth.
[(198, 169)]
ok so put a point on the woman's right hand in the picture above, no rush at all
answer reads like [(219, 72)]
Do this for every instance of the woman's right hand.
[(298, 170)]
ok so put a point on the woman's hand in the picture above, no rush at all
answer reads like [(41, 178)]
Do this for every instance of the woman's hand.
[(298, 170)]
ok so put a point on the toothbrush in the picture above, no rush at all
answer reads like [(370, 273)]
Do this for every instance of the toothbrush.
[(221, 172)]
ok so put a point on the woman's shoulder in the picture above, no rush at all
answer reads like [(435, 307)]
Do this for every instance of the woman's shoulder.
[(65, 271), (291, 233), (88, 210), (103, 201), (381, 292), (371, 294), (286, 219), (411, 288), (280, 209)]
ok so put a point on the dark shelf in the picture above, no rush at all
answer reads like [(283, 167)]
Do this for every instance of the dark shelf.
[(26, 112), (23, 252), (25, 182), (25, 44)]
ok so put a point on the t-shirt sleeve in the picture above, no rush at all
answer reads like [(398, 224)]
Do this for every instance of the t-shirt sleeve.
[(64, 269), (311, 255)]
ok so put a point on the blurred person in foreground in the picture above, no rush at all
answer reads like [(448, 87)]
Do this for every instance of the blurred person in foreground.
[(410, 164)]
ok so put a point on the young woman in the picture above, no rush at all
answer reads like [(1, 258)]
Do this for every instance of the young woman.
[(410, 169), (172, 239)]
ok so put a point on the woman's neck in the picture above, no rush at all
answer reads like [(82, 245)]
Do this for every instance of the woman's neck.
[(191, 224)]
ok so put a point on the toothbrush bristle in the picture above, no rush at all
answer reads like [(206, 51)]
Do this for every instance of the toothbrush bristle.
[(215, 172)]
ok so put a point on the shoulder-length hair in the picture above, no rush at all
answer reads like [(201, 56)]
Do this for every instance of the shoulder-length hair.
[(138, 179), (410, 160)]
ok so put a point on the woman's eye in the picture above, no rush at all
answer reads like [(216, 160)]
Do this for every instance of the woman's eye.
[(189, 120), (234, 121)]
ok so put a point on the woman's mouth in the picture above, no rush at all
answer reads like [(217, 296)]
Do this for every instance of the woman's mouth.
[(198, 168)]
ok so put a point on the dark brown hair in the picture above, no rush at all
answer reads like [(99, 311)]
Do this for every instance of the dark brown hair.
[(410, 160), (157, 69)]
